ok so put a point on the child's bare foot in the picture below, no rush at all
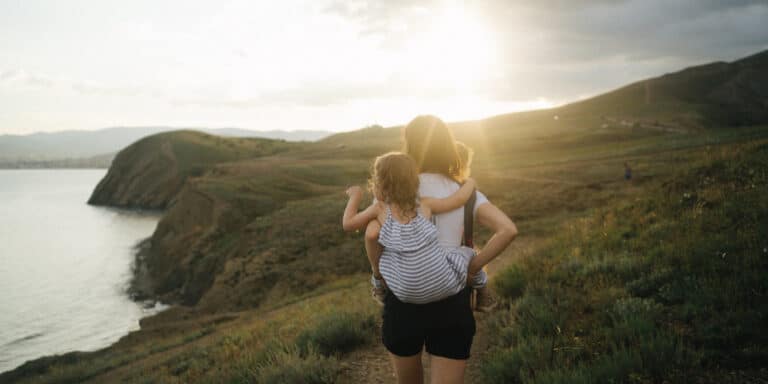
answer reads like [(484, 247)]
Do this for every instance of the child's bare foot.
[(379, 290), (486, 299)]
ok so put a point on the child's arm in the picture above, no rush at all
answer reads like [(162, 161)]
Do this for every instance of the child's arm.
[(456, 200), (353, 220)]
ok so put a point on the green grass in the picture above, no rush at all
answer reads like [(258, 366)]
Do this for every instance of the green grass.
[(337, 333), (650, 288), (620, 284)]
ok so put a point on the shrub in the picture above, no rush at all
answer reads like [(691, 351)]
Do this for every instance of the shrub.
[(510, 283), (516, 365), (615, 367), (649, 284), (337, 333), (624, 310), (623, 267), (679, 290), (631, 320), (536, 315), (659, 353), (290, 366)]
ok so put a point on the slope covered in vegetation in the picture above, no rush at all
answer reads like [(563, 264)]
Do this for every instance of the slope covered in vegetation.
[(602, 278), (150, 172), (648, 289)]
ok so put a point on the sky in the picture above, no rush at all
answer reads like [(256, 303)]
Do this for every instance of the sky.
[(341, 65)]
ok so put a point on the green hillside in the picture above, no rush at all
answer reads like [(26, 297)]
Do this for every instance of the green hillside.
[(657, 278), (648, 289), (150, 172)]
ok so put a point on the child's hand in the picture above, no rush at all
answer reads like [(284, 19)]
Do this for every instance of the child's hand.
[(354, 192), (471, 182)]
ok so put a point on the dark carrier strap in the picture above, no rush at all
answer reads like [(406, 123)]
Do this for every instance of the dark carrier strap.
[(469, 219)]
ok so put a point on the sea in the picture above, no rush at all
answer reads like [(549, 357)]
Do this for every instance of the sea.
[(64, 265)]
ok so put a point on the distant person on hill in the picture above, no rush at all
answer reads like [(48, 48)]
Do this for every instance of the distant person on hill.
[(627, 171), (444, 328)]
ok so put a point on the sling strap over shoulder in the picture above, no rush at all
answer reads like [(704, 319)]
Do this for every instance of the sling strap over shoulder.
[(469, 219)]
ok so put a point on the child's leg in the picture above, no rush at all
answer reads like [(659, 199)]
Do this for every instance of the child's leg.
[(372, 246), (374, 250)]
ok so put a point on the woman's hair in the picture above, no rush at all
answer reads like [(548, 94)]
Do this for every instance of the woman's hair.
[(465, 156), (430, 142), (395, 180)]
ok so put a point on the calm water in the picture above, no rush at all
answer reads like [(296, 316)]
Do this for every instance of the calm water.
[(64, 265)]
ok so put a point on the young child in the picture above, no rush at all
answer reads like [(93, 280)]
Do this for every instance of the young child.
[(415, 268)]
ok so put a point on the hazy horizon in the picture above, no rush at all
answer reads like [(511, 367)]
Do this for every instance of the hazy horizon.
[(162, 127), (341, 65)]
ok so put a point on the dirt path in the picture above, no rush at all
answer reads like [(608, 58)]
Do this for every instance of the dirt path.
[(370, 365)]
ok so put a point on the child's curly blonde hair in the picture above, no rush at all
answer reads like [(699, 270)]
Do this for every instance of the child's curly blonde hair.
[(465, 156), (395, 180)]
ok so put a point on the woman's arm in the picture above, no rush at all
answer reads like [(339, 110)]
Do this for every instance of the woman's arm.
[(504, 231), (455, 200), (353, 220)]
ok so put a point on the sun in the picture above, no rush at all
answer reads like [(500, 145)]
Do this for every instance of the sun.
[(456, 51)]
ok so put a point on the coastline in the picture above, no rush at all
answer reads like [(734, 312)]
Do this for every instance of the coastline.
[(87, 303)]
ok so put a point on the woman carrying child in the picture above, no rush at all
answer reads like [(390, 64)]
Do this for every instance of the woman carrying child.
[(425, 269)]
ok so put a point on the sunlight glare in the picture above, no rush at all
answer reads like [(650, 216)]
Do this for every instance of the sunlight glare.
[(456, 52)]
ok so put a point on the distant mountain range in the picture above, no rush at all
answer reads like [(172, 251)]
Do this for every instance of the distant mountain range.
[(95, 149)]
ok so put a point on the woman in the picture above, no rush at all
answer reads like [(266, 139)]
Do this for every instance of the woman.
[(444, 329)]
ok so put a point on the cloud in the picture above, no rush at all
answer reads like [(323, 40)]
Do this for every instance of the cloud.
[(318, 94), (22, 77), (563, 48), (37, 80), (87, 88), (8, 75)]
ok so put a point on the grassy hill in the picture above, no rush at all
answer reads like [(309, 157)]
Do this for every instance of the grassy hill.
[(660, 277), (647, 289), (150, 172)]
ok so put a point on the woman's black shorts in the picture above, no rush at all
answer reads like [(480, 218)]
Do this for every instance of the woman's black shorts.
[(445, 327)]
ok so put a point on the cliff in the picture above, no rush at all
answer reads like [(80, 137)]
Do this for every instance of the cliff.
[(150, 172), (247, 227)]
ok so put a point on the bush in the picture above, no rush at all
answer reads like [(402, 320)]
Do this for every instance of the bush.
[(623, 267), (290, 366), (649, 284), (536, 315), (660, 353), (615, 367), (510, 283), (516, 365), (632, 320), (628, 309), (337, 333)]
